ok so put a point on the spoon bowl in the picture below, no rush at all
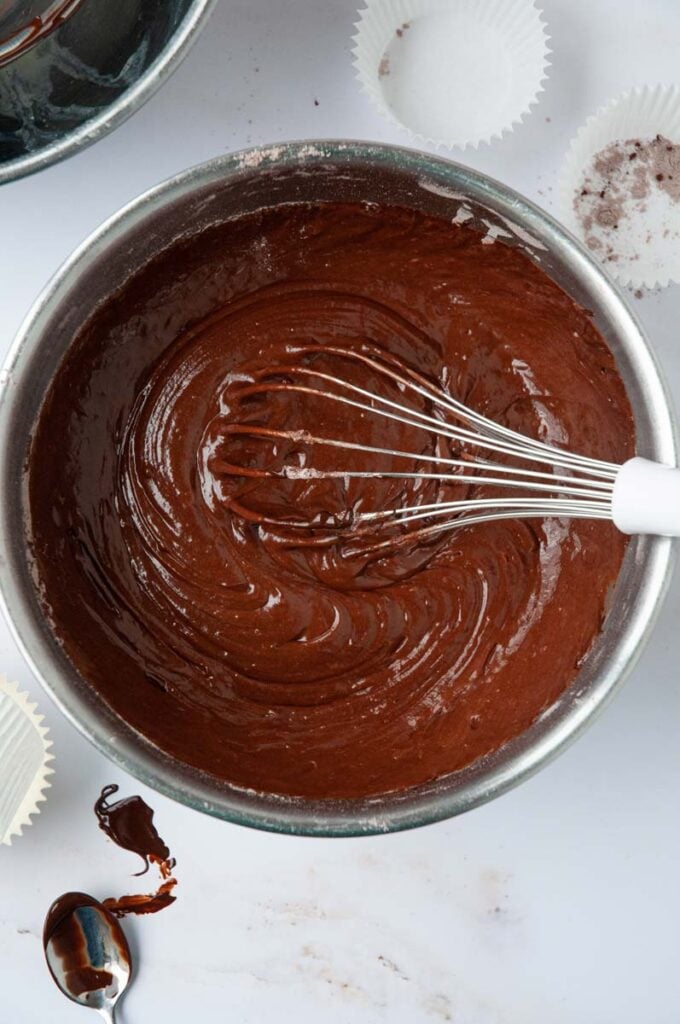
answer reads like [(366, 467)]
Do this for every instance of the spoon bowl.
[(87, 952)]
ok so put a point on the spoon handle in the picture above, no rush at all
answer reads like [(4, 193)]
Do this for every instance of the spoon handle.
[(108, 1013)]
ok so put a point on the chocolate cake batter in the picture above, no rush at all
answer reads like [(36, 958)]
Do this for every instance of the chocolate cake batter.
[(298, 669)]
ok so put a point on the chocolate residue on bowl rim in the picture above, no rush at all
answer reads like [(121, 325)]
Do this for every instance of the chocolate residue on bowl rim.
[(31, 33)]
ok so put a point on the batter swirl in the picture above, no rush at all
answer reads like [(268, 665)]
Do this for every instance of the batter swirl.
[(299, 668)]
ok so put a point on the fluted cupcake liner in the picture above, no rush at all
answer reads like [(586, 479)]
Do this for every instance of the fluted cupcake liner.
[(24, 761), (618, 191), (452, 72)]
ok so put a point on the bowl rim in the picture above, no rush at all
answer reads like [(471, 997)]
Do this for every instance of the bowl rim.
[(129, 101), (422, 805)]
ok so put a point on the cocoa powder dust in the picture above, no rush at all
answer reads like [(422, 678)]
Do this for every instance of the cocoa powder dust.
[(618, 188)]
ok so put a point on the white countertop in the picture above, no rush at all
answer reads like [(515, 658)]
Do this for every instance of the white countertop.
[(556, 904)]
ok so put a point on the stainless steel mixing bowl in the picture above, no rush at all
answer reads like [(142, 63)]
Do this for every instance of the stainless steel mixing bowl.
[(211, 194), (85, 78)]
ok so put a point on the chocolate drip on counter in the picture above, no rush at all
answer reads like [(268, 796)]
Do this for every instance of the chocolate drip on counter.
[(145, 903), (300, 670), (129, 823)]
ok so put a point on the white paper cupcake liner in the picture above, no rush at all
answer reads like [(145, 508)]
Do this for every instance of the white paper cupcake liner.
[(24, 761), (452, 72), (644, 249)]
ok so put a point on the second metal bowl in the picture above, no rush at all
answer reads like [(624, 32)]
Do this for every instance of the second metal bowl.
[(85, 78)]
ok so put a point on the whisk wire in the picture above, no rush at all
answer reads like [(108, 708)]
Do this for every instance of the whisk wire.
[(411, 379), (576, 486), (534, 451), (544, 481)]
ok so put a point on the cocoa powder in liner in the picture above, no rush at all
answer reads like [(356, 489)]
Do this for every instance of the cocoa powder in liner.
[(618, 184)]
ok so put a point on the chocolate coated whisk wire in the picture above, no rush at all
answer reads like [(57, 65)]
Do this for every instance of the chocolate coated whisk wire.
[(570, 485)]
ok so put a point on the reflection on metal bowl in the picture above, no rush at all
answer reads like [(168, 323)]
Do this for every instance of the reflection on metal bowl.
[(83, 79), (207, 196), (23, 23)]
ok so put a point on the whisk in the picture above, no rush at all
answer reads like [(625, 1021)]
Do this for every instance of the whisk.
[(539, 480)]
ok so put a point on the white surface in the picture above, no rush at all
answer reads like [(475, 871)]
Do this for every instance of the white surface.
[(556, 904)]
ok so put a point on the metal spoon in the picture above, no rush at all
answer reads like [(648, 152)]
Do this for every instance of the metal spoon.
[(87, 952)]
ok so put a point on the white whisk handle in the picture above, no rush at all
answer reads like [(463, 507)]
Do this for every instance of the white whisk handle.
[(646, 498)]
